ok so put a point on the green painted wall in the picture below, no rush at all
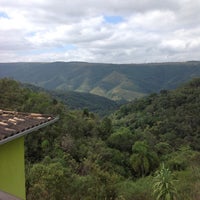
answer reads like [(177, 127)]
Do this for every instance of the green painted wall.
[(12, 168)]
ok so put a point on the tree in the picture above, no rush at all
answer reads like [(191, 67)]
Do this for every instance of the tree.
[(48, 181), (143, 159), (105, 128), (122, 139), (164, 185)]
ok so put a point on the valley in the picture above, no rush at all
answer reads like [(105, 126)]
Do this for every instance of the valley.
[(117, 82)]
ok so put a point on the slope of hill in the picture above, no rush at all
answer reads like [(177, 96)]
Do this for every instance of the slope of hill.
[(79, 100), (114, 81), (170, 116), (85, 157)]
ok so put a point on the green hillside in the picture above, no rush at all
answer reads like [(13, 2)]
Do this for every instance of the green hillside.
[(114, 81), (79, 100), (136, 153), (170, 116)]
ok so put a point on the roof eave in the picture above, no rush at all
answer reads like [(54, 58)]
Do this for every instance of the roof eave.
[(23, 133)]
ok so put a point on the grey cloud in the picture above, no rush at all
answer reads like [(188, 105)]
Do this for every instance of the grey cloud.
[(12, 41), (152, 30), (64, 11)]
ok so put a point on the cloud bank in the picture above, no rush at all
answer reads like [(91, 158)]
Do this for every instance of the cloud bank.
[(112, 31)]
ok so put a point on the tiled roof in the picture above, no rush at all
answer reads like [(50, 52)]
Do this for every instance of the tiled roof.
[(14, 124)]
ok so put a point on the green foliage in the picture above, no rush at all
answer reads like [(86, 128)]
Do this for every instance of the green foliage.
[(163, 148), (85, 157), (122, 139), (164, 185), (48, 181), (143, 160), (188, 184), (182, 158), (79, 100), (12, 95), (171, 117), (137, 190), (105, 128)]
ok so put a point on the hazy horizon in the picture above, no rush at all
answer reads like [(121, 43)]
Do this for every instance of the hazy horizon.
[(57, 61)]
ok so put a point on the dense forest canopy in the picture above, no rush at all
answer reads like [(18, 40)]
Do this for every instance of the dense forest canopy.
[(122, 156), (80, 100)]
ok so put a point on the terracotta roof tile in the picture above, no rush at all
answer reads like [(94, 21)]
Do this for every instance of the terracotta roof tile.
[(13, 123)]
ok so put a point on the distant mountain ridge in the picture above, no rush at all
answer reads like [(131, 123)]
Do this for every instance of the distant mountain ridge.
[(114, 81)]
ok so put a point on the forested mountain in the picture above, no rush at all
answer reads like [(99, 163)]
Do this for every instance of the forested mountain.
[(114, 81), (118, 157), (170, 116), (80, 100)]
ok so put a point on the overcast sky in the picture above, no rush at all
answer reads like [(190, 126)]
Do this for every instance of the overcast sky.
[(111, 31)]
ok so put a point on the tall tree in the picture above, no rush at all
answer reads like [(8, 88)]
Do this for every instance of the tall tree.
[(143, 159)]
